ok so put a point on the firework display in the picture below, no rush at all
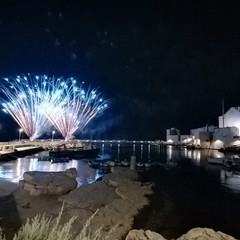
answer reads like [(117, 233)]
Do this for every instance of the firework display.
[(37, 103)]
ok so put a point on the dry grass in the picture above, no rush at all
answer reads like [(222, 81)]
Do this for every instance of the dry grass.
[(42, 228)]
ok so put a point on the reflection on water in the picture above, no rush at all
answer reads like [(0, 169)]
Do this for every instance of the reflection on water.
[(230, 179), (134, 150), (186, 188), (141, 153), (170, 155), (14, 170)]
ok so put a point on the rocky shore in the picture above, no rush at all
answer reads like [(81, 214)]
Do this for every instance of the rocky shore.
[(117, 198)]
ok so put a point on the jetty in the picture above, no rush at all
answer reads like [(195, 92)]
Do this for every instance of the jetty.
[(20, 148)]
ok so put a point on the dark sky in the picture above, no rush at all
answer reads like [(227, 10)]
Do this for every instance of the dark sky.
[(162, 63)]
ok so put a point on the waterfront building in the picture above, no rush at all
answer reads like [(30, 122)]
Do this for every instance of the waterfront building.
[(174, 137), (230, 119), (214, 137), (226, 134)]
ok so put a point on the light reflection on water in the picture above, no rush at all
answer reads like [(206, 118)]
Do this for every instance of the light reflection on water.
[(13, 170), (230, 180)]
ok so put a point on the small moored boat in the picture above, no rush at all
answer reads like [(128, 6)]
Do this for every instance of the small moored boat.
[(219, 161), (94, 164), (85, 151), (59, 160), (125, 163)]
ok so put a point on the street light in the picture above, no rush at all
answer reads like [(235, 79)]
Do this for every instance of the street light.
[(20, 133), (53, 132)]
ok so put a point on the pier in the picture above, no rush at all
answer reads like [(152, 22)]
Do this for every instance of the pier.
[(11, 146)]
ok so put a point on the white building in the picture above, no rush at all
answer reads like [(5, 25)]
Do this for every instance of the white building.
[(215, 137), (230, 119), (226, 134), (202, 137), (173, 137)]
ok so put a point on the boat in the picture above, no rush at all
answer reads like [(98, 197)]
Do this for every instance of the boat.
[(230, 149), (219, 161), (125, 163), (233, 168), (43, 158), (227, 160), (59, 160), (111, 163), (94, 164), (86, 151), (193, 146), (19, 152), (147, 164), (140, 164)]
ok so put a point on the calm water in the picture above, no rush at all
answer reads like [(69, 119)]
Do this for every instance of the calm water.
[(188, 193)]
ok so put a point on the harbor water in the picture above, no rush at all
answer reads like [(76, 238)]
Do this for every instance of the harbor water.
[(188, 191)]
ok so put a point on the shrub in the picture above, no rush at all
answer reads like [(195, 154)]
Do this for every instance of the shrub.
[(43, 228)]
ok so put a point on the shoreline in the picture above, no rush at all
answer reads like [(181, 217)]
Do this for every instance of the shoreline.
[(20, 205), (159, 216)]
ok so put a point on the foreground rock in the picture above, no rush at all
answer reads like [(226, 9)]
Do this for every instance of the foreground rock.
[(193, 234), (117, 199), (205, 233), (49, 183)]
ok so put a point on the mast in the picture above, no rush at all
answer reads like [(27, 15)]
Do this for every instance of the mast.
[(224, 135), (223, 112)]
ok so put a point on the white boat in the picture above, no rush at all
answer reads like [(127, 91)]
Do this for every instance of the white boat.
[(111, 163), (125, 163), (140, 164), (147, 165), (220, 161), (230, 160)]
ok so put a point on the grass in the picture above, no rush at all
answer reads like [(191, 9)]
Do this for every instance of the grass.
[(43, 228)]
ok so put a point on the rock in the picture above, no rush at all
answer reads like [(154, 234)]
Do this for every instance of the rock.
[(71, 172), (117, 198), (136, 235), (91, 197), (115, 219), (205, 234), (48, 183), (124, 172), (154, 236), (143, 235), (134, 192), (193, 234)]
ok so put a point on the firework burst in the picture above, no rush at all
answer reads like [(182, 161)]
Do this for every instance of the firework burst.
[(78, 107), (39, 102), (23, 100)]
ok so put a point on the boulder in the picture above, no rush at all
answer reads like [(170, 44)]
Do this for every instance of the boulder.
[(193, 234), (124, 172), (49, 183), (117, 198), (143, 235), (205, 234), (91, 196)]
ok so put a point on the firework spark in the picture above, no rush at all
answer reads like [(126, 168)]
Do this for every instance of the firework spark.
[(39, 102), (24, 97), (76, 110)]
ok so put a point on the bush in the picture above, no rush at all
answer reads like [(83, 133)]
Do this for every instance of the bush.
[(42, 228)]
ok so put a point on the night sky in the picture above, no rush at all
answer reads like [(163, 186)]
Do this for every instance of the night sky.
[(161, 63)]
